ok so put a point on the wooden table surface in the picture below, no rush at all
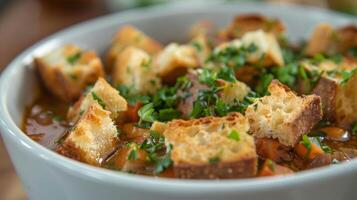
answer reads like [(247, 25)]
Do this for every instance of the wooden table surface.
[(22, 23)]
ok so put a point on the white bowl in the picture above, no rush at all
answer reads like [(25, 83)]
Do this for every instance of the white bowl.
[(48, 175)]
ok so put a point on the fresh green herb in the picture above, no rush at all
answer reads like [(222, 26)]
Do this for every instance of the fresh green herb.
[(234, 135), (354, 128), (146, 64), (72, 59), (168, 114), (73, 77), (232, 56), (307, 143), (207, 76), (227, 74), (271, 165), (132, 99), (98, 99), (264, 82), (302, 73), (346, 75), (197, 45), (133, 155), (165, 161), (214, 160), (57, 118), (352, 51), (323, 146), (147, 113)]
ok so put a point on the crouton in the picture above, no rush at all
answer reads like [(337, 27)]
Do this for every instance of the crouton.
[(252, 22), (130, 36), (267, 53), (203, 27), (283, 114), (232, 91), (327, 40), (212, 147), (133, 69), (93, 138), (68, 70), (336, 88), (202, 47), (175, 60), (102, 93)]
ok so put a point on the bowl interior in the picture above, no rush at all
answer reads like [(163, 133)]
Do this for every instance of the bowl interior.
[(19, 84)]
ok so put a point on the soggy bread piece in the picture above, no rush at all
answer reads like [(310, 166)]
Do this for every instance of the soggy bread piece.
[(102, 93), (283, 114), (327, 40), (93, 138), (338, 93), (134, 69), (131, 36), (267, 51), (175, 60), (68, 70), (252, 22), (212, 147)]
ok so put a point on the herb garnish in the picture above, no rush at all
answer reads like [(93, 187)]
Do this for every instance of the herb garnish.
[(234, 135), (72, 59), (98, 99), (354, 128)]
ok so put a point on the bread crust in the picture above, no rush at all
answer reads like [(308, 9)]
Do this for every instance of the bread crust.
[(92, 139), (242, 169), (108, 96), (252, 22), (202, 149), (131, 36), (64, 81), (283, 114)]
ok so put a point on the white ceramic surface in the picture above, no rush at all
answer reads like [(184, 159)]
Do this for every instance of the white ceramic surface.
[(47, 175)]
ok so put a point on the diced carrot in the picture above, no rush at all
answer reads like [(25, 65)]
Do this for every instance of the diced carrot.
[(132, 112), (304, 152), (272, 149), (270, 168)]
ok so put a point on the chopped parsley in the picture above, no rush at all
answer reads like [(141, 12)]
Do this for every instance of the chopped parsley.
[(307, 143), (72, 59), (264, 82), (98, 99), (197, 45), (354, 128), (234, 57), (234, 135), (158, 154), (133, 155), (346, 75), (214, 160)]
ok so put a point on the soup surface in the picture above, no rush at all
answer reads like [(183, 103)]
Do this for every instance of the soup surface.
[(235, 102)]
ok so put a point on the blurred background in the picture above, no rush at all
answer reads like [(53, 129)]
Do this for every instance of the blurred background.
[(24, 22)]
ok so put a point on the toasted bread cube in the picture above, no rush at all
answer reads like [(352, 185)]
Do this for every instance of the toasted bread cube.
[(68, 70), (175, 60), (268, 50), (338, 96), (252, 22), (102, 93), (202, 47), (327, 40), (131, 36), (133, 69), (212, 147), (232, 91), (93, 138), (283, 114)]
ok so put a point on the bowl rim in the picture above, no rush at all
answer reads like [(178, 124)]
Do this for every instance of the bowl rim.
[(118, 178)]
